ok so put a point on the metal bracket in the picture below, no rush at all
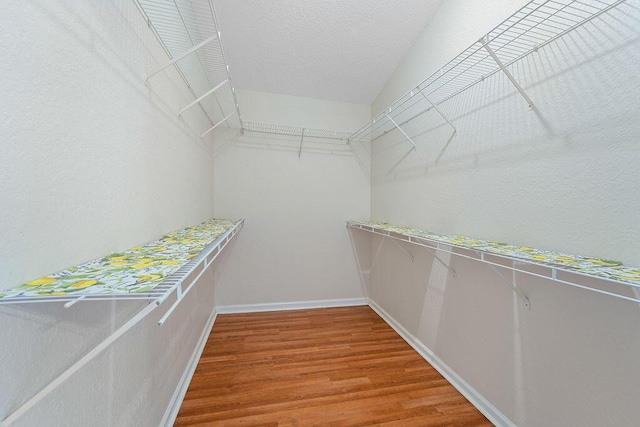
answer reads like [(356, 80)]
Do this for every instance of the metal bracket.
[(301, 139), (451, 270), (375, 258), (446, 145), (406, 252), (434, 251), (78, 365), (403, 132), (182, 55), (485, 44), (361, 273), (455, 131), (509, 283), (202, 97), (218, 124)]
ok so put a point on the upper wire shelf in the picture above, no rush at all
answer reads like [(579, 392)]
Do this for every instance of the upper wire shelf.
[(189, 33), (535, 25), (298, 132)]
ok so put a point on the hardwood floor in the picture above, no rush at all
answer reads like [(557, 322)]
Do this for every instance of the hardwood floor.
[(329, 367)]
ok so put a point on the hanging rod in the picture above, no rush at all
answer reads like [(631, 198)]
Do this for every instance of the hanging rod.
[(535, 25)]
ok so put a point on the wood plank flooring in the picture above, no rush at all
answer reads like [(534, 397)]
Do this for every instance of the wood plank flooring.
[(324, 367)]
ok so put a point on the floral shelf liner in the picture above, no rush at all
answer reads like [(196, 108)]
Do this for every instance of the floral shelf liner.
[(136, 270), (608, 269)]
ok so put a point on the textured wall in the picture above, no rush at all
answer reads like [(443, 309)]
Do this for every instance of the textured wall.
[(93, 161), (565, 180), (294, 245)]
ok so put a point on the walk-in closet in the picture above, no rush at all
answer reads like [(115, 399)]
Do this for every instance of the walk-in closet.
[(301, 213)]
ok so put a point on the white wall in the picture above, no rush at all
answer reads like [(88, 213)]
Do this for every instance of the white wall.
[(93, 161), (567, 181), (294, 245)]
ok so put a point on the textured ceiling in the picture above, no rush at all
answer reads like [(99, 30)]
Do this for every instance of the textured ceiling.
[(340, 50)]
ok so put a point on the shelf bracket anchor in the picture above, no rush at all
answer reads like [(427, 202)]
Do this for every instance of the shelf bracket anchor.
[(403, 132), (179, 57), (218, 124), (435, 107), (406, 252), (203, 97), (301, 139), (485, 44)]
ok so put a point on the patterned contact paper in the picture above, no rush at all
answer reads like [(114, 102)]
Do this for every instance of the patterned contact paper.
[(136, 270), (604, 268)]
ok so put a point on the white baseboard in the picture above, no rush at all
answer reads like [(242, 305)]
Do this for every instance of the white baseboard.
[(178, 395), (298, 305), (483, 405)]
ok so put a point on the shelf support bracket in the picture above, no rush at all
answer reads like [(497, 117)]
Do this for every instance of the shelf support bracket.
[(203, 97), (451, 270), (455, 131), (361, 273), (78, 365), (485, 44), (403, 132), (406, 252), (434, 252), (179, 57), (218, 124), (375, 258), (509, 283), (301, 139)]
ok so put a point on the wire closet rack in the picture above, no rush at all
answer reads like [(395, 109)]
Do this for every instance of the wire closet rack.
[(297, 132), (620, 281), (175, 286), (189, 33), (535, 25)]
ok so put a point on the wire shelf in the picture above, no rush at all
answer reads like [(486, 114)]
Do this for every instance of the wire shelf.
[(535, 25), (174, 284), (298, 132), (619, 281), (189, 33)]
